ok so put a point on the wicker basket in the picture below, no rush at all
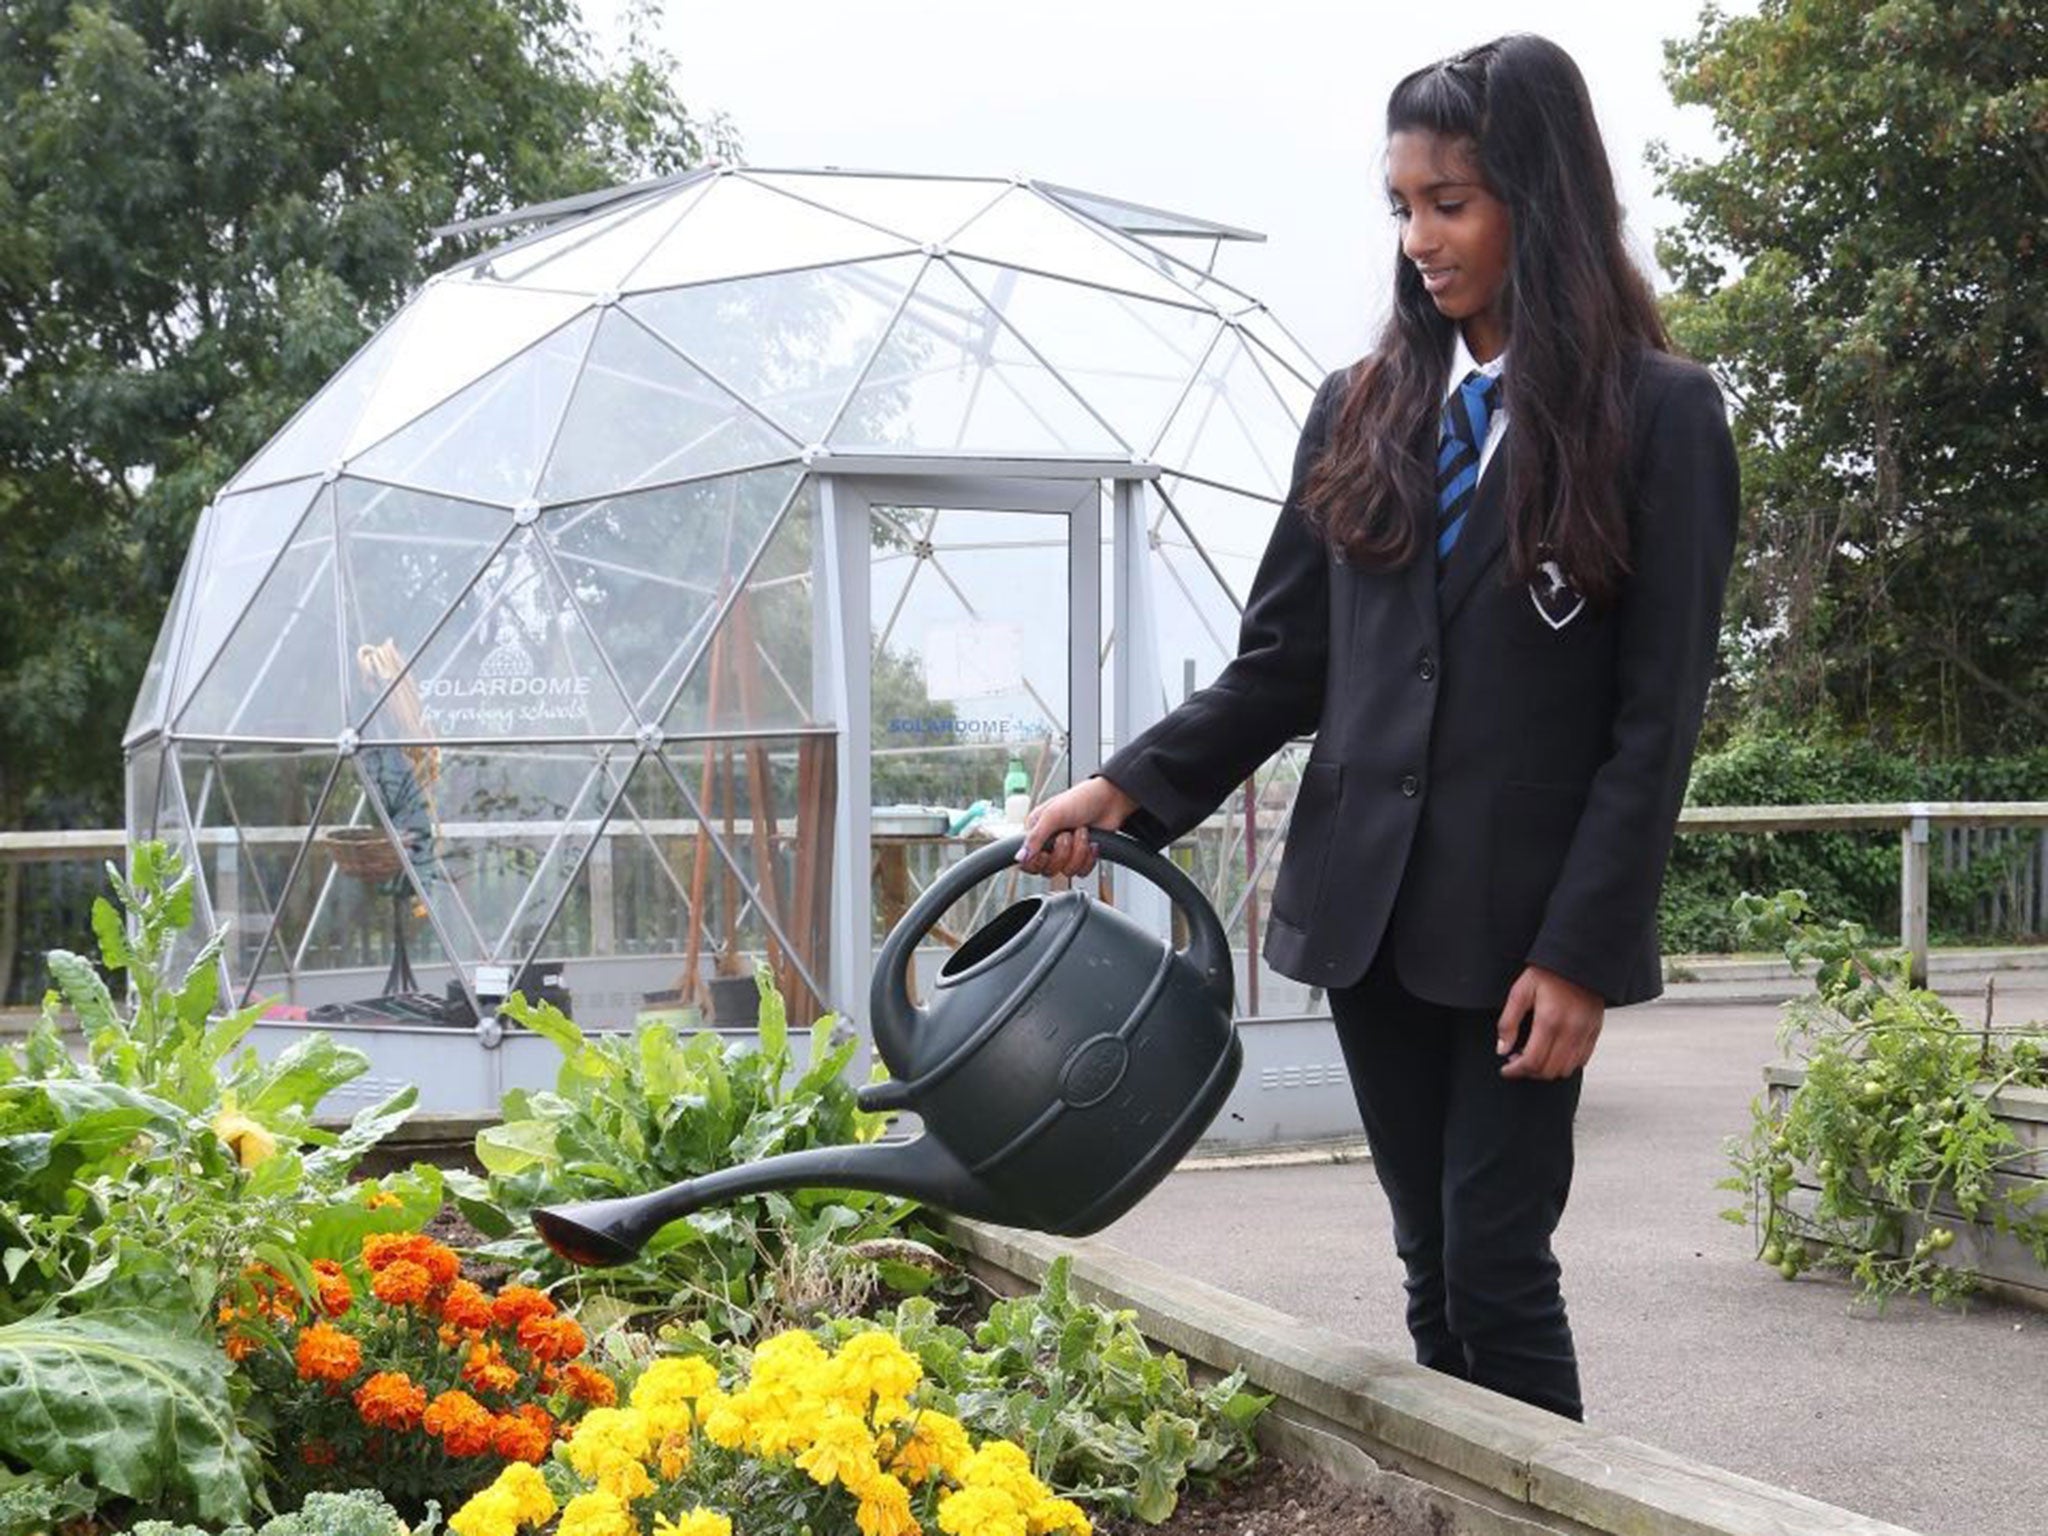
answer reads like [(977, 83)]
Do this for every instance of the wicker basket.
[(364, 853)]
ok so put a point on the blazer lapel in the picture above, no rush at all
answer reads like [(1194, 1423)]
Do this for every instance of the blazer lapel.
[(1484, 535)]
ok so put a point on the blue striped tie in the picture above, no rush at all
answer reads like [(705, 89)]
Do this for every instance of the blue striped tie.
[(1466, 415)]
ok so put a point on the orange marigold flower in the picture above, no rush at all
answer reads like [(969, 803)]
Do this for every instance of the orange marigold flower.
[(328, 1354), (537, 1416), (462, 1424), (486, 1370), (382, 1248), (336, 1294), (589, 1385), (239, 1346), (551, 1338), (439, 1261), (401, 1283), (319, 1453), (520, 1439), (390, 1400), (466, 1306), (516, 1303)]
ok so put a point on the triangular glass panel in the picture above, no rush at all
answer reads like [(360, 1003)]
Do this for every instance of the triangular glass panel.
[(153, 698), (950, 377), (170, 826), (456, 332), (315, 439), (253, 810), (357, 896), (140, 786), (793, 342), (1027, 229), (512, 661), (1232, 428), (244, 535), (406, 559), (925, 210), (755, 669), (759, 884), (1194, 622), (605, 257), (1279, 345), (648, 571), (277, 675), (1231, 530), (489, 441), (641, 414), (593, 253), (738, 228), (1129, 358)]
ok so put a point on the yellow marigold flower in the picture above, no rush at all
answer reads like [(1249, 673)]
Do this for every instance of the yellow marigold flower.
[(528, 1491), (724, 1420), (884, 1508), (1002, 1465), (789, 1359), (668, 1382), (250, 1142), (697, 1522), (610, 1448), (381, 1200), (1049, 1515), (981, 1511), (600, 1513), (489, 1513), (840, 1450), (932, 1442), (876, 1364)]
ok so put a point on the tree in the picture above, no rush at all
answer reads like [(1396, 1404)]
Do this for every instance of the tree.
[(1863, 268), (205, 207)]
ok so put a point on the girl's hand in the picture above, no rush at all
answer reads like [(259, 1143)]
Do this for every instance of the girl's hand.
[(1056, 832), (1563, 1033)]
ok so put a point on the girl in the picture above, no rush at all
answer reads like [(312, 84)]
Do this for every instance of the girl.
[(1494, 597)]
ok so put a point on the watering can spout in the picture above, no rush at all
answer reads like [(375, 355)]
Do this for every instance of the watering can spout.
[(605, 1232)]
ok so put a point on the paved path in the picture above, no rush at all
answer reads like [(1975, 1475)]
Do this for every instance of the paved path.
[(1935, 1420)]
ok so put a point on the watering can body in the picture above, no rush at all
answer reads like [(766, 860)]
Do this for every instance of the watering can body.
[(1066, 1062)]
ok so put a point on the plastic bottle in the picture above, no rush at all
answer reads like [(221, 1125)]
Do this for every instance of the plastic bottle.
[(1016, 791)]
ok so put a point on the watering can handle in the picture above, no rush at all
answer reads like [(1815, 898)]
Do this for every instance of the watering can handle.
[(894, 1016)]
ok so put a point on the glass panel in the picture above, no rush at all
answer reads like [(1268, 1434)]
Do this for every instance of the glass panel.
[(642, 414), (153, 697), (1195, 623), (489, 440), (357, 901), (278, 675), (925, 210), (755, 670), (1232, 427), (737, 228), (762, 876), (514, 660), (792, 343), (1229, 529), (406, 559), (493, 835), (950, 377), (1128, 358), (581, 248), (139, 799), (1026, 229), (455, 333), (252, 811), (1134, 218), (244, 535), (314, 440), (171, 826), (647, 571), (1276, 343)]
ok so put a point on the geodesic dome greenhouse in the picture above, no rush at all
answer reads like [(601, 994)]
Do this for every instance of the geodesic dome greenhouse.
[(612, 605)]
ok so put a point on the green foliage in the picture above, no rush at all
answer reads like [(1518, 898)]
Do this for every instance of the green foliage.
[(361, 1512), (1862, 266), (1893, 1121), (204, 209), (1107, 1420), (630, 1114), (119, 1399), (1854, 874)]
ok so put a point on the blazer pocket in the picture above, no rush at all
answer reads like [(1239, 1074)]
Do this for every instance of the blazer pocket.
[(1309, 835), (1533, 826)]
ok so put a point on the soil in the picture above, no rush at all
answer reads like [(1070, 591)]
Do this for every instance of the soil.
[(1277, 1498)]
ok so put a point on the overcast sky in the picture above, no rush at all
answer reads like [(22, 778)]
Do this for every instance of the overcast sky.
[(1261, 113)]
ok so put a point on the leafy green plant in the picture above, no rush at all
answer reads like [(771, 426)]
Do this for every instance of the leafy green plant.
[(1893, 1121), (359, 1512), (1108, 1420), (629, 1114)]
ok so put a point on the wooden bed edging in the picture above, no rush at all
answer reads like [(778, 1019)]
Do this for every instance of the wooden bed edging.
[(1470, 1461)]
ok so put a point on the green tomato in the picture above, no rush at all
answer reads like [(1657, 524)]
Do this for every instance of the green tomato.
[(1825, 1168), (1773, 1255), (1873, 1090), (1781, 1142), (1941, 1237), (1789, 1269)]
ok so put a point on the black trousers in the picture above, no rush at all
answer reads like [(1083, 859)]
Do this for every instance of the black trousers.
[(1476, 1168)]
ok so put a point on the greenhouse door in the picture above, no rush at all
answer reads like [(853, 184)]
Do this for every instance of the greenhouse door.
[(971, 638)]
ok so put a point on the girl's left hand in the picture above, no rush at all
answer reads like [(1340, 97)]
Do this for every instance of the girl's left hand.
[(1563, 1033)]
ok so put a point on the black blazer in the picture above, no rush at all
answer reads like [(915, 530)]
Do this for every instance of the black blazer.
[(1485, 790)]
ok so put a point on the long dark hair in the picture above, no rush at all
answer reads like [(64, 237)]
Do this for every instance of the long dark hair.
[(1577, 309)]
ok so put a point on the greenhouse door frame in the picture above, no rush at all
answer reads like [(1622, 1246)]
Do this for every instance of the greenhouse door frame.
[(847, 495)]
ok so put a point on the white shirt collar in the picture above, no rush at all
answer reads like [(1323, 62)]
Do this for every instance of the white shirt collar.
[(1462, 362)]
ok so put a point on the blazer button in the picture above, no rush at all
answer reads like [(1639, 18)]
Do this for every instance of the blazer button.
[(1426, 669), (1411, 786)]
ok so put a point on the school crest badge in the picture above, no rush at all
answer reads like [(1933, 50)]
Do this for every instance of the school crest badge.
[(1556, 600)]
